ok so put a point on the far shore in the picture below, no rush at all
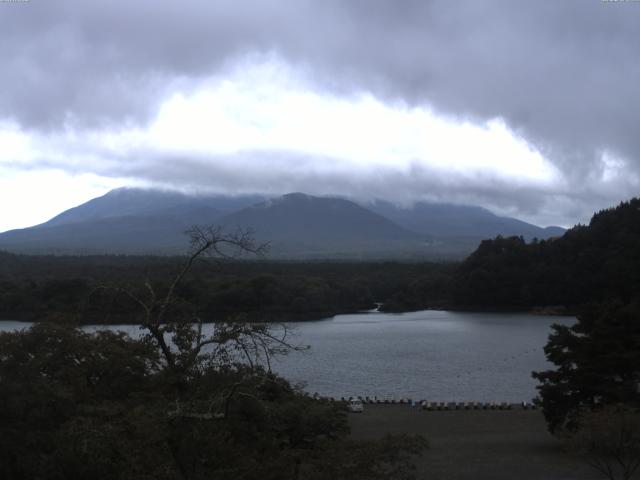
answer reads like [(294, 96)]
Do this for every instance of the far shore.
[(549, 310), (287, 317)]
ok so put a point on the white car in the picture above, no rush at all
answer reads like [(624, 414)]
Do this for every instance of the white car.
[(355, 406)]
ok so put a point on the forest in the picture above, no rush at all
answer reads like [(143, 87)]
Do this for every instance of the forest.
[(33, 287), (589, 263)]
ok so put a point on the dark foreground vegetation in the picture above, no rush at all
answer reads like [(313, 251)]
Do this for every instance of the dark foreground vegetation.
[(591, 399), (104, 406), (176, 403), (597, 364)]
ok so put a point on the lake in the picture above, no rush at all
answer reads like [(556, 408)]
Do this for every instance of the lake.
[(433, 355)]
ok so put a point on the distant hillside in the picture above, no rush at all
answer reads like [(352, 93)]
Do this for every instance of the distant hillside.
[(298, 226), (134, 202), (589, 263), (302, 224), (448, 220), (139, 234), (125, 220)]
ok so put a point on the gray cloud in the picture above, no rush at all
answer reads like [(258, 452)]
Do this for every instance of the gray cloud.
[(278, 172), (562, 74)]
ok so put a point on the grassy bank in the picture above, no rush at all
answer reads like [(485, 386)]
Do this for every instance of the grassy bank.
[(476, 444)]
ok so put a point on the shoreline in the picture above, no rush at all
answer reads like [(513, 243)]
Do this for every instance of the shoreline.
[(550, 311)]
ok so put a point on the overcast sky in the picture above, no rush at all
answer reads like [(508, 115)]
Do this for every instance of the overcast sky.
[(528, 108)]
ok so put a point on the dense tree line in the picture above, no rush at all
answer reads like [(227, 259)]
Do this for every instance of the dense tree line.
[(37, 287), (591, 263)]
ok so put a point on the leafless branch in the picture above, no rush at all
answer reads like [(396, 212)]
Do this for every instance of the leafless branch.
[(255, 342)]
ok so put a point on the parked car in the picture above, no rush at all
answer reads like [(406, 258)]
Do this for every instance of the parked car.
[(355, 406)]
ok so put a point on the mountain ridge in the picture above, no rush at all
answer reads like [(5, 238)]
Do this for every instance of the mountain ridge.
[(446, 219), (298, 225)]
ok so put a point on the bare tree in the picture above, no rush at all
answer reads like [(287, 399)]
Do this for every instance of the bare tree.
[(181, 339), (609, 441)]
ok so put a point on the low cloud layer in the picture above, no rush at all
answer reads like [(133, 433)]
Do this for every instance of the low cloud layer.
[(86, 83)]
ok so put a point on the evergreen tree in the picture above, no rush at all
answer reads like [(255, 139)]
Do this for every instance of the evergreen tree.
[(597, 364)]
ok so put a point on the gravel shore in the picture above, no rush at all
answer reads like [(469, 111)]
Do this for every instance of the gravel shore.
[(477, 444)]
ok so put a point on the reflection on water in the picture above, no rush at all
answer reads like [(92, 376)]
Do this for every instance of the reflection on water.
[(434, 355)]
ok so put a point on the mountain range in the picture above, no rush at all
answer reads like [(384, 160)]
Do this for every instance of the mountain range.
[(296, 225)]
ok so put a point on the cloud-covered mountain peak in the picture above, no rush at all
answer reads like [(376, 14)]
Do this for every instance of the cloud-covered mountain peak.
[(296, 225)]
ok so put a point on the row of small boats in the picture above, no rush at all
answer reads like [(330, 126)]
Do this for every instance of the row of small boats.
[(434, 406)]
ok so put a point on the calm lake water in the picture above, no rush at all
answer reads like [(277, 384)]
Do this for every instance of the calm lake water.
[(434, 355)]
